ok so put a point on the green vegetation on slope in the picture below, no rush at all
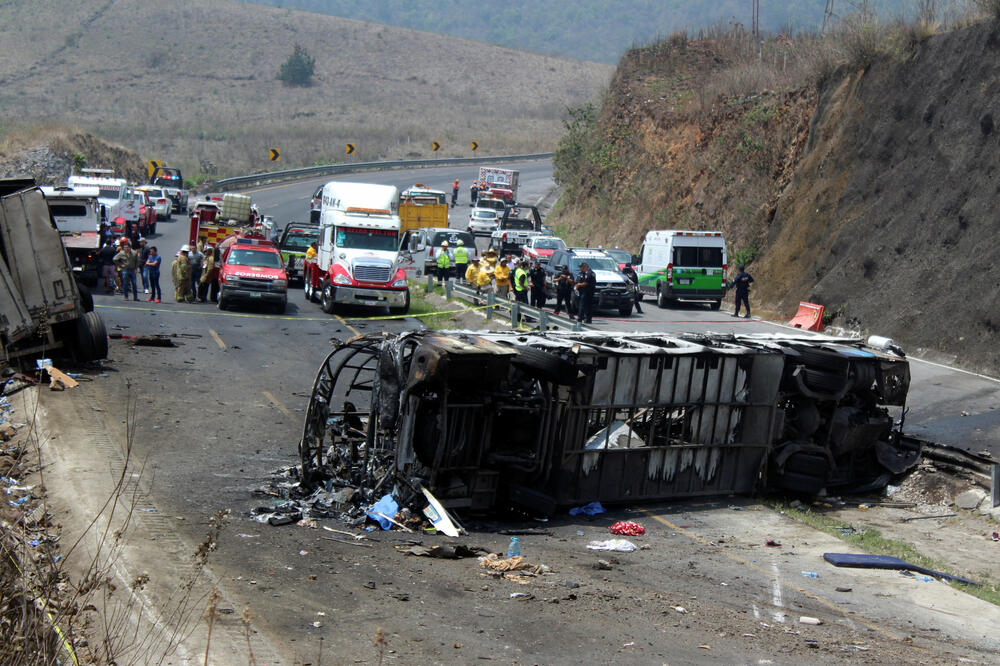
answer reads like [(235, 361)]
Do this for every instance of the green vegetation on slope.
[(584, 29)]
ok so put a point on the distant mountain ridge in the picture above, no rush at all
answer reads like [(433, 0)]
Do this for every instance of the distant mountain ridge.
[(595, 30)]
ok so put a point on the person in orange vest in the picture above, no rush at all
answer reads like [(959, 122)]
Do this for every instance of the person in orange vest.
[(454, 193)]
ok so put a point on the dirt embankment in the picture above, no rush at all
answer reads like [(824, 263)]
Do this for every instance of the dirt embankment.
[(871, 192), (49, 153), (890, 218)]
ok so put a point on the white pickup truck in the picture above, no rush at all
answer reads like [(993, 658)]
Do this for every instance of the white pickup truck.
[(517, 225)]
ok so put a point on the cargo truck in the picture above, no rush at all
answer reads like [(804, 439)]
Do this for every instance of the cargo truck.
[(358, 259), (42, 310), (420, 206)]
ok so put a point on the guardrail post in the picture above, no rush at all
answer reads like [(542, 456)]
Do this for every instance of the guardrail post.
[(543, 320), (515, 314), (491, 302), (430, 284), (448, 285), (996, 484)]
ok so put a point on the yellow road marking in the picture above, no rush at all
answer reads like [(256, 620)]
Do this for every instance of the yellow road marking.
[(222, 345), (353, 330), (281, 407), (750, 565)]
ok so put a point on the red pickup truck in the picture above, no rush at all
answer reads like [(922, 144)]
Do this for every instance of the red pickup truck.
[(252, 271)]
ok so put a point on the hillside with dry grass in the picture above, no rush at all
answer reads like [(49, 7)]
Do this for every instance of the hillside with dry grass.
[(193, 81), (858, 170)]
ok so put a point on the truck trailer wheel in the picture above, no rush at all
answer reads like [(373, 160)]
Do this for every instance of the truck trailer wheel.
[(328, 304), (91, 341)]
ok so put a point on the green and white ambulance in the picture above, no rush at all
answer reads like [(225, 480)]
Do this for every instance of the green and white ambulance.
[(683, 266)]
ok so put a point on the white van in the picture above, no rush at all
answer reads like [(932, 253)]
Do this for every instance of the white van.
[(677, 265)]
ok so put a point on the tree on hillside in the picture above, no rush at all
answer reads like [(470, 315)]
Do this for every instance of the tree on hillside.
[(299, 68)]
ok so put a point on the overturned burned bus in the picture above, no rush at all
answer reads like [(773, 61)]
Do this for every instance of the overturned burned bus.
[(555, 419)]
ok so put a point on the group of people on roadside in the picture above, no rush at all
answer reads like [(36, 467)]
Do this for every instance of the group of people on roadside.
[(122, 266), (524, 281), (194, 272)]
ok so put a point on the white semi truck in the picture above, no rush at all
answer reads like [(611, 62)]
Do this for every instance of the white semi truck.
[(357, 261)]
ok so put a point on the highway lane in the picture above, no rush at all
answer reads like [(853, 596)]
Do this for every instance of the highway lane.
[(945, 405), (217, 414)]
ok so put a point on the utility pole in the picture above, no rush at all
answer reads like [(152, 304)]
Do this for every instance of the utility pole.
[(755, 20), (827, 15)]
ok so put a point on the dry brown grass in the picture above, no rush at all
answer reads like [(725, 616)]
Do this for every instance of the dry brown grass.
[(197, 80)]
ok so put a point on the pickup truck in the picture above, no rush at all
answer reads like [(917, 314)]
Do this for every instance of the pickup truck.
[(294, 243), (517, 225), (77, 215), (252, 271), (172, 182)]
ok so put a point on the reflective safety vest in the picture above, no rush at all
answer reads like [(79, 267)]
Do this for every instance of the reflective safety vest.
[(520, 279), (461, 256), (444, 261)]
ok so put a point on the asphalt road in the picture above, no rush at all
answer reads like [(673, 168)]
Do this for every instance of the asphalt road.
[(217, 414)]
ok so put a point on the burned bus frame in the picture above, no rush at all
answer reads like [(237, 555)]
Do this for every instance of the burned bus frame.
[(555, 419)]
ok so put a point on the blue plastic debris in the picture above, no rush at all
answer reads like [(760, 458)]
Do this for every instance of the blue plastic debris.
[(591, 509), (386, 506), (18, 502)]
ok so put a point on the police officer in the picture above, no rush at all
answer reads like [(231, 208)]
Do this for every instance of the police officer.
[(520, 282), (634, 279), (586, 283), (443, 263), (742, 283), (564, 290), (461, 260), (536, 279)]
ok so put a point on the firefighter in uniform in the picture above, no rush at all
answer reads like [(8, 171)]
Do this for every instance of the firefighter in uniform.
[(180, 271)]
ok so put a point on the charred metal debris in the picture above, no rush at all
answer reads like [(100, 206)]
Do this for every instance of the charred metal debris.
[(548, 420)]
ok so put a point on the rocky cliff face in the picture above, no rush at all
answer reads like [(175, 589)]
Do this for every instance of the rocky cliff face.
[(47, 154), (871, 192)]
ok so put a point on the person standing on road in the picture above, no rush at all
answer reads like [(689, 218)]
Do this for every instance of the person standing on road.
[(454, 193), (127, 262), (586, 283), (461, 260), (443, 263), (473, 194), (742, 283), (196, 259), (633, 277), (180, 271), (108, 270), (536, 280), (501, 278), (520, 282), (564, 290), (209, 276), (153, 272), (143, 270)]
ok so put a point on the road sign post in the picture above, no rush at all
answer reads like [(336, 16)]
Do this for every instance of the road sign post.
[(151, 167), (349, 148), (475, 146), (275, 154), (435, 146)]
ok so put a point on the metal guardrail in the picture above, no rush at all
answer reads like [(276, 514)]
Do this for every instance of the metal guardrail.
[(330, 169), (509, 310)]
